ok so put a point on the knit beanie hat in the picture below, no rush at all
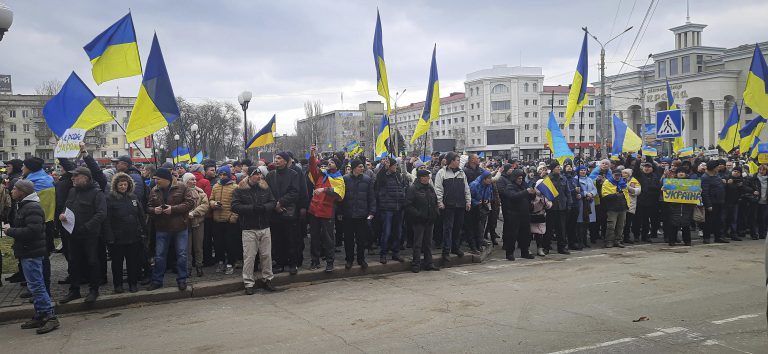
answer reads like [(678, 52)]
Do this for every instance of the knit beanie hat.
[(34, 163), (164, 173), (186, 177), (25, 186)]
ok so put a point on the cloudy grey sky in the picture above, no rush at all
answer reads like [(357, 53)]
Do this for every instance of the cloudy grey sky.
[(287, 52)]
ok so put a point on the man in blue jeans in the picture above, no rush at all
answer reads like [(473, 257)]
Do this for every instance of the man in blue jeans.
[(169, 203), (390, 192), (29, 246), (453, 199)]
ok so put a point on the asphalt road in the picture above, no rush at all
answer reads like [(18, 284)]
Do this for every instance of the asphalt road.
[(704, 299)]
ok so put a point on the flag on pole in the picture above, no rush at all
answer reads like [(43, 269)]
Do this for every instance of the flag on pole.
[(649, 151), (547, 188), (382, 135), (264, 136), (556, 140), (198, 157), (382, 85), (181, 154), (353, 148), (685, 152), (756, 91), (749, 132), (75, 106), (155, 106), (754, 149), (624, 139), (114, 53), (432, 103), (729, 137), (578, 96)]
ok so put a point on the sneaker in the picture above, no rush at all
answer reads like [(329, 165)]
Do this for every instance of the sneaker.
[(15, 278), (71, 296), (229, 270), (239, 265), (415, 268), (220, 268), (249, 290), (25, 294), (329, 267), (721, 240), (51, 324), (64, 281), (736, 238), (458, 253), (510, 257), (619, 245), (528, 256), (314, 265), (35, 322)]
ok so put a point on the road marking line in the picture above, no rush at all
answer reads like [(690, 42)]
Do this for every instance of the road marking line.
[(585, 257), (599, 345), (665, 331), (742, 317)]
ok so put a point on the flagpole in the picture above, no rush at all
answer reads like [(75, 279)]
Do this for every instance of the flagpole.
[(737, 125), (126, 137)]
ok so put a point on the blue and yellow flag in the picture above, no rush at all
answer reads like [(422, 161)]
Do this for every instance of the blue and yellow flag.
[(114, 53), (677, 143), (649, 151), (181, 154), (755, 148), (46, 191), (556, 141), (382, 85), (353, 148), (547, 188), (335, 178), (264, 136), (382, 135), (198, 158), (155, 106), (75, 106), (749, 132), (729, 137), (756, 91), (578, 96), (685, 152), (432, 103), (624, 139)]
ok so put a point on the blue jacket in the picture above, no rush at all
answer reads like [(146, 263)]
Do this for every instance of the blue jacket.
[(479, 191)]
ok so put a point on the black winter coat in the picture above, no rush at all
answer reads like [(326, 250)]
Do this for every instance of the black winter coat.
[(421, 203), (125, 217), (28, 232), (285, 187), (90, 209), (680, 214), (515, 198), (253, 204), (712, 190), (359, 199), (390, 191)]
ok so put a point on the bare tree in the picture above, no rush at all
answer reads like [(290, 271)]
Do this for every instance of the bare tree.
[(49, 88)]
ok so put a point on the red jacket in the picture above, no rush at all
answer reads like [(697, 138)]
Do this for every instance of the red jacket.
[(203, 183), (322, 204)]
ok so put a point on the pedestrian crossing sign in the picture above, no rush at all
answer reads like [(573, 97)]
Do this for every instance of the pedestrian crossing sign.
[(669, 124)]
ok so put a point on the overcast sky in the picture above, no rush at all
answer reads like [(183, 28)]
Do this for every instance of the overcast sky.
[(287, 52)]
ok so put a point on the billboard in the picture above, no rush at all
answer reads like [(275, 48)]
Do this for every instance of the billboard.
[(5, 84), (443, 145), (500, 136)]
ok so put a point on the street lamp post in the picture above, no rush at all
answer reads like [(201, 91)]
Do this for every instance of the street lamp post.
[(6, 19), (193, 129), (394, 122), (176, 158), (601, 119), (646, 119), (244, 98), (161, 152)]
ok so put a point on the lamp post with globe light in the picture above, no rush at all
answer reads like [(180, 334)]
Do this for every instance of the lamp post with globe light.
[(195, 136), (176, 158), (6, 19), (244, 98)]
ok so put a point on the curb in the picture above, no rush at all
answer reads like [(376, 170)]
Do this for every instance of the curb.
[(220, 287)]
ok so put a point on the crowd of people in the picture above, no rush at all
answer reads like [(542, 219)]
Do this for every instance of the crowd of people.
[(146, 221)]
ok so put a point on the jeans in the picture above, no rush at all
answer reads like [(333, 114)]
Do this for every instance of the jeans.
[(453, 219), (761, 219), (257, 242), (162, 243), (732, 220), (33, 274), (391, 228), (356, 232), (322, 241)]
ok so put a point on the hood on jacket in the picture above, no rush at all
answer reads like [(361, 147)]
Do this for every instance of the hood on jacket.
[(482, 175), (517, 173), (32, 198), (119, 177), (227, 171), (245, 185)]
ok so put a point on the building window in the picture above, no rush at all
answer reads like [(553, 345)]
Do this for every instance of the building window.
[(472, 129), (14, 142), (525, 102), (42, 142), (500, 89), (694, 120), (462, 107), (455, 120), (591, 138), (114, 154), (24, 113), (686, 61), (462, 119), (527, 139), (114, 127), (571, 138), (560, 115), (114, 141), (114, 113), (673, 67), (127, 114), (535, 102), (526, 114), (11, 114), (661, 68), (591, 126), (527, 126), (473, 141), (472, 106), (581, 114), (13, 127), (591, 102), (571, 126), (535, 114), (535, 88), (26, 127), (27, 142), (500, 105), (535, 126), (699, 63), (525, 87), (549, 102), (591, 114)]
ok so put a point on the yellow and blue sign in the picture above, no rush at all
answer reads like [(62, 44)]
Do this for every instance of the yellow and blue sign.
[(686, 191), (669, 124)]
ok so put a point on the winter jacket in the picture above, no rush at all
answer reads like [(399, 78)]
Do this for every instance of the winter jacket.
[(360, 198), (138, 183), (515, 198), (421, 203), (284, 185), (634, 192), (587, 186), (201, 207), (565, 190), (539, 206), (125, 215), (5, 203), (472, 173), (323, 205), (712, 190), (90, 209), (181, 201), (202, 183), (305, 193), (611, 200), (650, 184), (452, 188), (28, 232), (479, 191), (254, 204), (734, 188), (390, 191), (679, 214), (97, 174), (223, 193)]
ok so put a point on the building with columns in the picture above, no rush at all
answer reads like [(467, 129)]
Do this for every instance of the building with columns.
[(706, 82)]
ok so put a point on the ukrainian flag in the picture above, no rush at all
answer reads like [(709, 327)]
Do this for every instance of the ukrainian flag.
[(336, 179), (755, 148), (556, 140), (381, 138), (75, 106), (578, 96), (45, 191), (685, 152), (432, 103), (547, 188), (624, 139), (155, 106), (353, 148), (198, 157), (181, 154), (378, 60), (749, 132), (264, 136), (729, 137), (756, 91), (114, 53), (649, 151)]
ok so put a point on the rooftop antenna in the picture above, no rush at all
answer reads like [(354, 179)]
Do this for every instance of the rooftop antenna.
[(687, 11)]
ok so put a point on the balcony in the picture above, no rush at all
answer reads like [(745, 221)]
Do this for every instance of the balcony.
[(43, 133)]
